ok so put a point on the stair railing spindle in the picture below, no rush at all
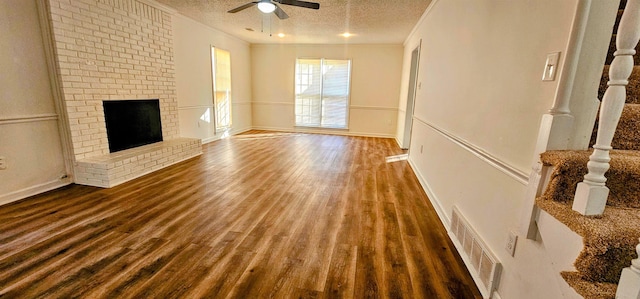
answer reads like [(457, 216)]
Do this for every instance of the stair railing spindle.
[(629, 285), (591, 194)]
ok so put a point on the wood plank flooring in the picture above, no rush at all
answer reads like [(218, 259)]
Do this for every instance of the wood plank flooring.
[(258, 215)]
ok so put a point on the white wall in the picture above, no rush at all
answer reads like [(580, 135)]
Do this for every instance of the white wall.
[(477, 116), (192, 46), (29, 136), (375, 85)]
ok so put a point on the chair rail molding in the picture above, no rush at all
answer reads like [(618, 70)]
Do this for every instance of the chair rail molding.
[(4, 120), (513, 172)]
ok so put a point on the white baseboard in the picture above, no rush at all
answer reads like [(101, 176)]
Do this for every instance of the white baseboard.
[(321, 131), (446, 221), (398, 142), (232, 132), (33, 190), (210, 139), (444, 218)]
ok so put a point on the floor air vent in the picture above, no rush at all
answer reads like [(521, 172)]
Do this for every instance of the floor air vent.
[(484, 267)]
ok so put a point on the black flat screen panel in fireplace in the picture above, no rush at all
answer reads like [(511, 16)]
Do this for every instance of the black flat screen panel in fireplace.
[(132, 123)]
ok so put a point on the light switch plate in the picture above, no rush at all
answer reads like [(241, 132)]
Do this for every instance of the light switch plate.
[(551, 66)]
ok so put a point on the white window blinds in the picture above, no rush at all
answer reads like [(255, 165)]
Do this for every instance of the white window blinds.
[(322, 92), (222, 88)]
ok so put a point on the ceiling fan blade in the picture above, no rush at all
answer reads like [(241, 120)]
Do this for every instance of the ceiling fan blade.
[(243, 7), (280, 13), (304, 4)]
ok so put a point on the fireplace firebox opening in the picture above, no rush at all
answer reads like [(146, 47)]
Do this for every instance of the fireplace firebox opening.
[(132, 123)]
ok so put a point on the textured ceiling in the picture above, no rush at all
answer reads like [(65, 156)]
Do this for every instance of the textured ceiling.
[(371, 21)]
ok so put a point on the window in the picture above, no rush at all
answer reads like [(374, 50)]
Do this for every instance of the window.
[(221, 66), (322, 92)]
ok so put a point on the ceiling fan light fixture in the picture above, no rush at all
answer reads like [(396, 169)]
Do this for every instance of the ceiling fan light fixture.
[(266, 7)]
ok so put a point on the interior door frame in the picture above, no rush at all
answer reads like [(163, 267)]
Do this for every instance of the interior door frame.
[(411, 95)]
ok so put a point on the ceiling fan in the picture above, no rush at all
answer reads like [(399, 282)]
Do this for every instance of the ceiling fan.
[(269, 6)]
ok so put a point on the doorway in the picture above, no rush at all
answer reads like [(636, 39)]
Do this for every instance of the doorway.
[(411, 96)]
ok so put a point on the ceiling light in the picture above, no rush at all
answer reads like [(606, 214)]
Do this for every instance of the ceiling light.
[(266, 7), (280, 35), (346, 34)]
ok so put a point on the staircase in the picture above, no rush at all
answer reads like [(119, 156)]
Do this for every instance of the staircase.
[(610, 239)]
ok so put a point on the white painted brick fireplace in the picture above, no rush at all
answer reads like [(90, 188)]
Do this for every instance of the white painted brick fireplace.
[(116, 50)]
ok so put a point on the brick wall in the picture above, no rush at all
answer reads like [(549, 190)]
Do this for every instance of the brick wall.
[(112, 50)]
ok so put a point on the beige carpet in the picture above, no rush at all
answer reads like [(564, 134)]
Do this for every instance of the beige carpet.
[(601, 290), (609, 239), (569, 168)]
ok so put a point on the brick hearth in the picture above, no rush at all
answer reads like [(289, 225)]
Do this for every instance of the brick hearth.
[(114, 50)]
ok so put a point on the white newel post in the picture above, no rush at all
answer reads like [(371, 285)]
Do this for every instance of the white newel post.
[(591, 194), (556, 126), (629, 285)]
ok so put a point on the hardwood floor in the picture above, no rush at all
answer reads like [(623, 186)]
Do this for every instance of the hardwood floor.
[(258, 215)]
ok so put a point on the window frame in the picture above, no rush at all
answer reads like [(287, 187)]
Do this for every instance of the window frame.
[(348, 96), (216, 128)]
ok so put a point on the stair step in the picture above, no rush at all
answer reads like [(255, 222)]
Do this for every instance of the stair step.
[(633, 89), (588, 289), (569, 168), (609, 240), (627, 136)]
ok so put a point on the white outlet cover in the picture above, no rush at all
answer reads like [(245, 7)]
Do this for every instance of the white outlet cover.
[(512, 241)]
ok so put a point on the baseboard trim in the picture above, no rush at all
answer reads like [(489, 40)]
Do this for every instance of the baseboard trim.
[(446, 221), (398, 142), (210, 139), (33, 190), (216, 138), (327, 132)]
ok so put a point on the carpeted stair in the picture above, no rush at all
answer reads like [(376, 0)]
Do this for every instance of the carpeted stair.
[(609, 239)]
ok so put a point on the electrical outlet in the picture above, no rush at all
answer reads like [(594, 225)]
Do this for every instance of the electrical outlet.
[(3, 163), (512, 239)]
